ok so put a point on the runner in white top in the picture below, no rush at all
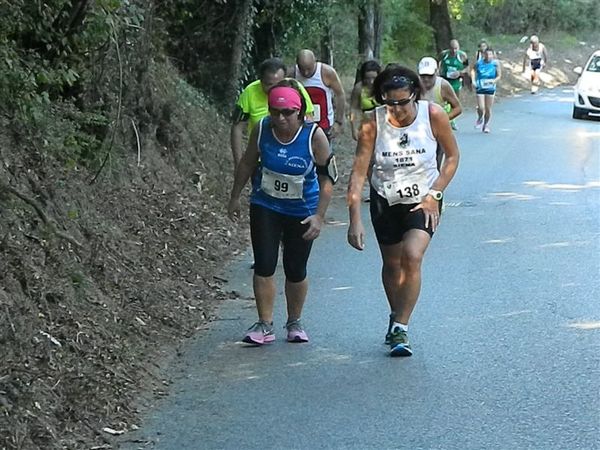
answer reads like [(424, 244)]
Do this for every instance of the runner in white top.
[(537, 55), (407, 188), (325, 90)]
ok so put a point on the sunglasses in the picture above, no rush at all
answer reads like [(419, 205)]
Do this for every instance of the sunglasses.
[(286, 112), (403, 102)]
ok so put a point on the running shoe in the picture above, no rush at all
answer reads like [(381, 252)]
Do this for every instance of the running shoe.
[(260, 333), (295, 332), (399, 345), (479, 123), (486, 129), (388, 335)]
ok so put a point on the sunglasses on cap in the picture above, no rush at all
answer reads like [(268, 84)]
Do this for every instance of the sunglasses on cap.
[(403, 102), (285, 112), (398, 82)]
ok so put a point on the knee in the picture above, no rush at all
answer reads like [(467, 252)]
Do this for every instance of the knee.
[(295, 272), (412, 260)]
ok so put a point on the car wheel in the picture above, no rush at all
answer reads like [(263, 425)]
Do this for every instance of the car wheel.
[(579, 113)]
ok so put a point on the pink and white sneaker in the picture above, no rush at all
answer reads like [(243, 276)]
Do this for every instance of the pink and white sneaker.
[(478, 123), (295, 332), (260, 333), (486, 129)]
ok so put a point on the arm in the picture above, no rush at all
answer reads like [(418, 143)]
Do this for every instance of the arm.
[(244, 170), (236, 136), (360, 167), (498, 71), (544, 55), (355, 110), (332, 80), (445, 138), (449, 96), (321, 150)]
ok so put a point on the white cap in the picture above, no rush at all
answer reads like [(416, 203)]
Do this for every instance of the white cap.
[(427, 66)]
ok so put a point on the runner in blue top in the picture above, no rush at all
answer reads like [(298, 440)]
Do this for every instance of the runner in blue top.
[(487, 73), (295, 170)]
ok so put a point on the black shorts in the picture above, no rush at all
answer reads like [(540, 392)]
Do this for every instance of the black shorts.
[(391, 222), (536, 64), (268, 229)]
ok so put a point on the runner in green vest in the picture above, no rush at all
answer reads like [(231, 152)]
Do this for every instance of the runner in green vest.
[(454, 65)]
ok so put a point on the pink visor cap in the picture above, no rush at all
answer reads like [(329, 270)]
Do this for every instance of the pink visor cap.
[(284, 97)]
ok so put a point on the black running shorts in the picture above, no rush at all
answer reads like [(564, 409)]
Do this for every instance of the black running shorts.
[(391, 222)]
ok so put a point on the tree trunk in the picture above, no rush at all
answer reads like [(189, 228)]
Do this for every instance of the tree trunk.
[(370, 29), (245, 12), (439, 18), (378, 28), (327, 46), (366, 30)]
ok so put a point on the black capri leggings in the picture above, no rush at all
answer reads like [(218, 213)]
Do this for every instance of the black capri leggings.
[(267, 229)]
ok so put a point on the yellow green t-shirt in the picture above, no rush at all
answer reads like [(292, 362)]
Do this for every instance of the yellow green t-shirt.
[(254, 102)]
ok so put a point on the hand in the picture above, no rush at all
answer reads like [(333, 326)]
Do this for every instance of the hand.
[(336, 130), (315, 222), (356, 235), (233, 208), (431, 210)]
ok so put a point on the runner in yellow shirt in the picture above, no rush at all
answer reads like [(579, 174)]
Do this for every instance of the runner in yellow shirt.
[(252, 104)]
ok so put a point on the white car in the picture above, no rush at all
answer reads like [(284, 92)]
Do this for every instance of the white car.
[(587, 88)]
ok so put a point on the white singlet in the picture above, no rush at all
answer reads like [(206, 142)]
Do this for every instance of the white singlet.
[(321, 96), (405, 164)]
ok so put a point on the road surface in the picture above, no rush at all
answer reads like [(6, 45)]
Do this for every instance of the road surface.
[(506, 334)]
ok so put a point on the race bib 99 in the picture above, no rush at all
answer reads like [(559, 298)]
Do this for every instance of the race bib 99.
[(281, 185)]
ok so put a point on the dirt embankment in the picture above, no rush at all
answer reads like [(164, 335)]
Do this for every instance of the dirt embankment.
[(100, 281)]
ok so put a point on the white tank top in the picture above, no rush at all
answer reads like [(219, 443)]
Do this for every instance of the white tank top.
[(434, 95), (404, 167), (321, 96), (535, 54)]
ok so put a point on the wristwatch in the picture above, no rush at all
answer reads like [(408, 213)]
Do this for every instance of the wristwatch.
[(437, 195)]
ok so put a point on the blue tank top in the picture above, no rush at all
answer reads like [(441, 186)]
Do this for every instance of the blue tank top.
[(486, 71), (291, 158)]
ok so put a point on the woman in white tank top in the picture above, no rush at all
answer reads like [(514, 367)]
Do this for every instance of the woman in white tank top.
[(400, 138)]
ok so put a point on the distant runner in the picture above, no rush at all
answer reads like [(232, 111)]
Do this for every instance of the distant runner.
[(325, 89), (438, 91), (454, 67), (487, 73), (537, 56), (362, 99)]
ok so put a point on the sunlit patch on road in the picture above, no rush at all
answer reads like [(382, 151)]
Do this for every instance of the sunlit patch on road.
[(512, 196), (555, 245), (342, 288), (498, 241), (592, 325)]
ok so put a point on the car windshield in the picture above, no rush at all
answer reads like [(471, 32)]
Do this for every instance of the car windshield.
[(594, 65)]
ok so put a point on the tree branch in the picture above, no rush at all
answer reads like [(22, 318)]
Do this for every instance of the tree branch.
[(40, 212)]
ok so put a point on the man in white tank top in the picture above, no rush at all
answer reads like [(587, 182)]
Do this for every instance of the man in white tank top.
[(325, 89), (438, 91), (537, 56)]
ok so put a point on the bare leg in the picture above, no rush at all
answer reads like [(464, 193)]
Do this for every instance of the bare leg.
[(401, 272), (480, 106), (295, 293), (489, 101), (264, 292)]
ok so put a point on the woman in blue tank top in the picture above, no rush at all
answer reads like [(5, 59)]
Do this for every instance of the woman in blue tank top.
[(487, 75), (292, 184)]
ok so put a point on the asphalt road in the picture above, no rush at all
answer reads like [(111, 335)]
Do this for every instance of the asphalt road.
[(506, 333)]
